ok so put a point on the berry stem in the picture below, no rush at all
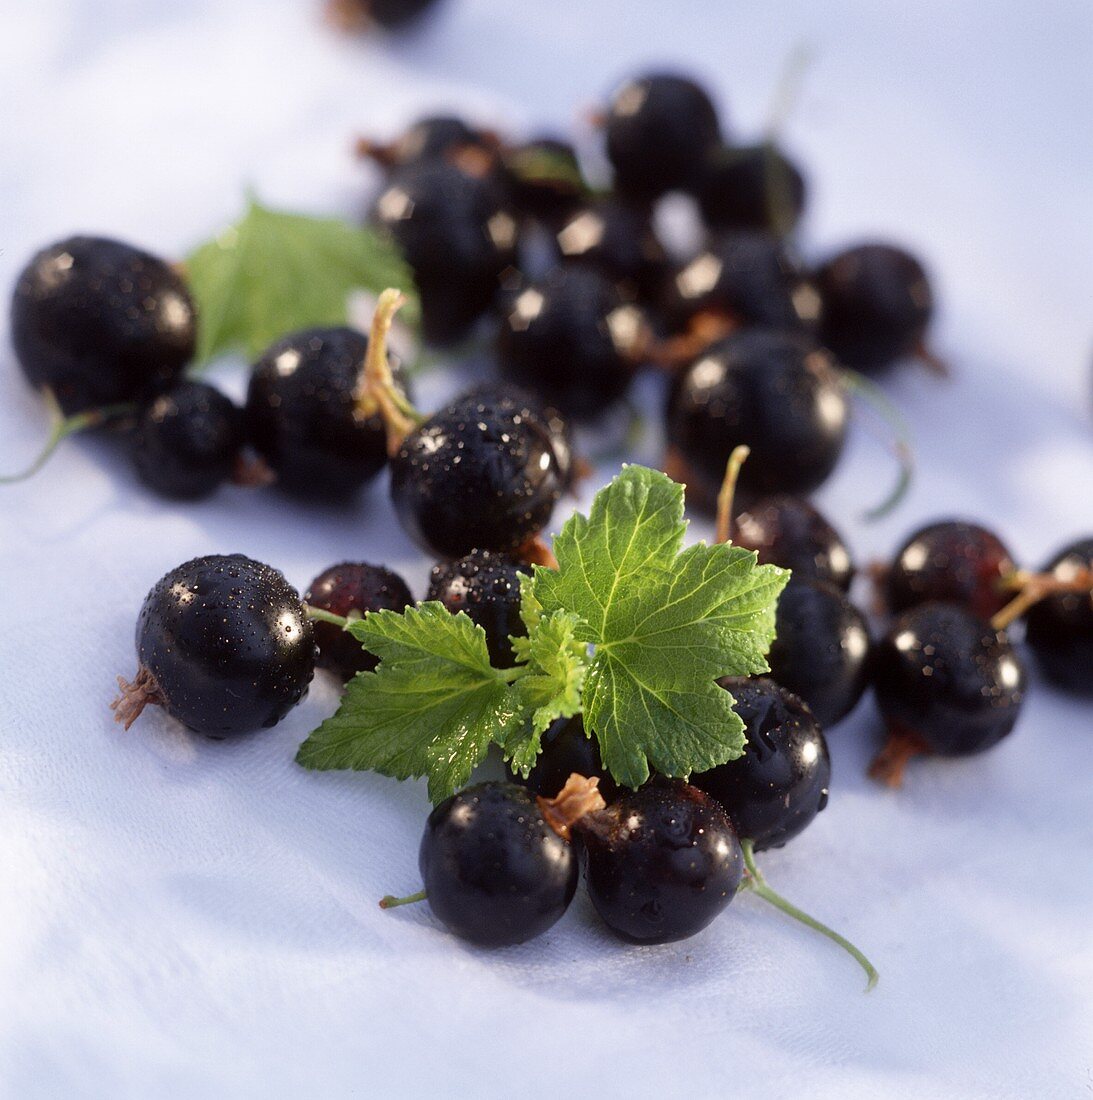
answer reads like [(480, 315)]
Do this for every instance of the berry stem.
[(759, 886), (320, 615), (376, 389), (728, 493), (787, 92), (901, 747), (61, 427), (872, 395), (389, 901), (1031, 588)]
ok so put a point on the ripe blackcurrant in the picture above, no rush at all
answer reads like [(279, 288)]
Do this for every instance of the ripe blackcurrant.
[(877, 304), (302, 415), (223, 644), (617, 239), (821, 648), (495, 872), (571, 339), (947, 682), (748, 277), (1060, 628), (751, 187), (345, 589), (660, 129), (775, 392), (660, 862), (457, 233), (951, 562), (476, 475), (545, 179), (780, 784), (790, 532), (486, 586), (428, 138), (187, 441), (100, 322), (566, 749)]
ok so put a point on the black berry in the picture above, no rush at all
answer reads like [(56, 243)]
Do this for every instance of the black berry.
[(545, 179), (352, 587), (566, 749), (1060, 628), (100, 322), (495, 871), (751, 187)]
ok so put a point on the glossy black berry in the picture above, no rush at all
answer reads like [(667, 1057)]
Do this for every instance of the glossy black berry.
[(749, 277), (476, 475), (100, 322), (224, 645), (660, 130), (566, 748), (187, 441), (572, 340), (790, 532), (776, 392), (545, 177), (457, 233), (821, 648), (1060, 628), (877, 304), (780, 784), (947, 677), (302, 415), (486, 586), (617, 239), (751, 187), (495, 872), (951, 562), (660, 863), (352, 587)]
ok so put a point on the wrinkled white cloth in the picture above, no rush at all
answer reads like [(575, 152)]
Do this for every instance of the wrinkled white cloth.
[(184, 918)]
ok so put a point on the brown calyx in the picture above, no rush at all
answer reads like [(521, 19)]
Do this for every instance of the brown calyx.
[(877, 572), (134, 696), (675, 353), (252, 472), (899, 749), (932, 361), (536, 552), (578, 797), (349, 16)]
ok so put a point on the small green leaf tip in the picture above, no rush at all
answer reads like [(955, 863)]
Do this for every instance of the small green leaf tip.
[(273, 272)]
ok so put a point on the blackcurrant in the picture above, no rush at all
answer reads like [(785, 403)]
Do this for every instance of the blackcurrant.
[(780, 784), (476, 475), (571, 339), (660, 129), (545, 178), (790, 532), (100, 322), (428, 138), (952, 562), (775, 392), (495, 872), (486, 586), (660, 862), (877, 304), (302, 415), (749, 277), (223, 645), (345, 589), (751, 187), (821, 648), (566, 749), (392, 15), (946, 682), (617, 239), (187, 441), (458, 234), (1060, 628)]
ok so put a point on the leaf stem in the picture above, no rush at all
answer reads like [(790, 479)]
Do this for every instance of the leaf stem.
[(727, 493), (759, 886), (389, 901), (61, 427)]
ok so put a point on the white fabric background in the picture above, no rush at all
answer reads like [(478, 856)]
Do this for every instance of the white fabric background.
[(182, 918)]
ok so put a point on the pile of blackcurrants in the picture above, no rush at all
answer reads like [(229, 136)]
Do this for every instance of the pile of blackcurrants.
[(762, 352)]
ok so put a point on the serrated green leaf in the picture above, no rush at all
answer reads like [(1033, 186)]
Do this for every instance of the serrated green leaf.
[(550, 688), (431, 707), (274, 272), (664, 623)]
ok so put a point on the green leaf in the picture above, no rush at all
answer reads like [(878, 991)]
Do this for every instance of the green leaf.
[(551, 687), (664, 623), (431, 707), (273, 272)]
